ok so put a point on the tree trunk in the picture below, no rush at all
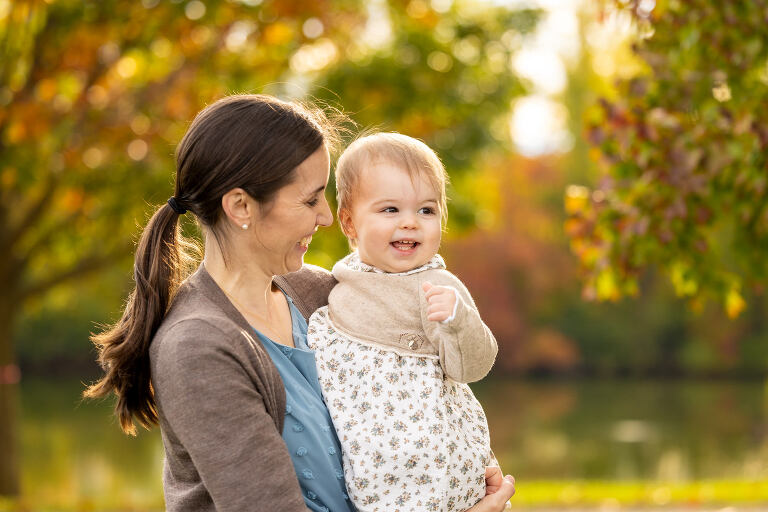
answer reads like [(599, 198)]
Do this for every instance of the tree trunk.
[(9, 377)]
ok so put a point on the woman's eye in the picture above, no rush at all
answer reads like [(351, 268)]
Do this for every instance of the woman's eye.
[(313, 202), (427, 210)]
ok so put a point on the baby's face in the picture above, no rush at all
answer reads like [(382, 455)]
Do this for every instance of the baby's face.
[(395, 221)]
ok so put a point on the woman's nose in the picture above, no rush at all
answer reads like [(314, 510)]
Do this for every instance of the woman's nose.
[(325, 217)]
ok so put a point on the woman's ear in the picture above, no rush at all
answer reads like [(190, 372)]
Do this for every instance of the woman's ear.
[(238, 207), (347, 226)]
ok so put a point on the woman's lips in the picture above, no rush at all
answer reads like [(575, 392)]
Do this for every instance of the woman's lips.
[(304, 242)]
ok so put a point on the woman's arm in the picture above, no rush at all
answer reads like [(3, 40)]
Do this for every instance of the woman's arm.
[(217, 422)]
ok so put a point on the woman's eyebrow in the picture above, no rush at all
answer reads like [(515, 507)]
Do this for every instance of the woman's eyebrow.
[(317, 190)]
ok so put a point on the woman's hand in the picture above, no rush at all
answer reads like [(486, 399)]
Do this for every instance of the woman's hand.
[(498, 491)]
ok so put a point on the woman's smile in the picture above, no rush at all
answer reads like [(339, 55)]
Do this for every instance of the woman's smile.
[(304, 243)]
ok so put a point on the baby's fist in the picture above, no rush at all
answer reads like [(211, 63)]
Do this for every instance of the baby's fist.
[(441, 301)]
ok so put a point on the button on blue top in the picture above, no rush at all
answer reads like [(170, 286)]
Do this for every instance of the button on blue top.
[(308, 431)]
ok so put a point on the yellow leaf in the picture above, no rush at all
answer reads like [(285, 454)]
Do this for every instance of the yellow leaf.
[(46, 89), (734, 303), (72, 200), (16, 133), (685, 285), (278, 34), (576, 198), (606, 285)]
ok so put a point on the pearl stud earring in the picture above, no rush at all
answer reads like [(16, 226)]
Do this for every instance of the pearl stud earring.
[(245, 226)]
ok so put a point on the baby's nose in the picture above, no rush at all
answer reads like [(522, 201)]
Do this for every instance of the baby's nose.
[(408, 221)]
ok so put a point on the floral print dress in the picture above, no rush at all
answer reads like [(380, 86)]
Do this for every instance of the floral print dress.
[(412, 439)]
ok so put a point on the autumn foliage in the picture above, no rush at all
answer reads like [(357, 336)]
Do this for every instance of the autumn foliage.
[(684, 152)]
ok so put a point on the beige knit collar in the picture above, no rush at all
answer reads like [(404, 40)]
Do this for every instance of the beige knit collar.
[(381, 308), (351, 262)]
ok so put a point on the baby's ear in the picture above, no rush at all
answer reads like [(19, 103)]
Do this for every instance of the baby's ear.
[(345, 221)]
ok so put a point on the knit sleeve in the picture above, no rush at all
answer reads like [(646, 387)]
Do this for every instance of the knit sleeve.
[(465, 345), (309, 288)]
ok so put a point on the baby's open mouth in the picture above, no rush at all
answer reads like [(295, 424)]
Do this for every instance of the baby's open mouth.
[(404, 245)]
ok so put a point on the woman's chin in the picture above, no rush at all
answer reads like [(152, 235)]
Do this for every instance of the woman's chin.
[(294, 264)]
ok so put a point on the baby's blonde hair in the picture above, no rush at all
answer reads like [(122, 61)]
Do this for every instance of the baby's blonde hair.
[(412, 155)]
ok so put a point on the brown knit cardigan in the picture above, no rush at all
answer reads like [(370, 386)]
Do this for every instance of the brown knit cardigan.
[(221, 402)]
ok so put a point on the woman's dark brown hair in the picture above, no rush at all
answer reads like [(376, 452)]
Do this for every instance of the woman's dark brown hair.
[(253, 142)]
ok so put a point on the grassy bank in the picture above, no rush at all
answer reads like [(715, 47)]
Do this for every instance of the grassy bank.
[(552, 495)]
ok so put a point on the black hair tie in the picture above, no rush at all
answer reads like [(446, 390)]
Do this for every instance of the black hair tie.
[(175, 206)]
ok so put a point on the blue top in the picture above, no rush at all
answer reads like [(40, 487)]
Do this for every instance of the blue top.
[(308, 431)]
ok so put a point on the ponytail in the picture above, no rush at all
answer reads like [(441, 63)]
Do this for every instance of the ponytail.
[(162, 261)]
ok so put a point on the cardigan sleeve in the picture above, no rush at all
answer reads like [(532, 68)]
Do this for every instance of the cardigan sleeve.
[(211, 402), (309, 288), (465, 345)]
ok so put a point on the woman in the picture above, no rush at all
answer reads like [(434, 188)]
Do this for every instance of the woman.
[(220, 361)]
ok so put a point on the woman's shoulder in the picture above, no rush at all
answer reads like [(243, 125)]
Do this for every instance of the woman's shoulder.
[(194, 318), (308, 275), (308, 287), (197, 336), (190, 325)]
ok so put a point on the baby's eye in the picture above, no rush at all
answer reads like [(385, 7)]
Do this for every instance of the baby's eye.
[(389, 209), (427, 211)]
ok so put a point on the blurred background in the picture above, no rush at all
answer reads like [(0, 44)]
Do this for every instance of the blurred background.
[(608, 214)]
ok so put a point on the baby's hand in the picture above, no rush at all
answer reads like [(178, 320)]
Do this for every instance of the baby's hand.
[(441, 300)]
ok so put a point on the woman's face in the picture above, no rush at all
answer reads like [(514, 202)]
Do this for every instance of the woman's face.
[(283, 229)]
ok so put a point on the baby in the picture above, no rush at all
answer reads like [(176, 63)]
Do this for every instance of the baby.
[(400, 338)]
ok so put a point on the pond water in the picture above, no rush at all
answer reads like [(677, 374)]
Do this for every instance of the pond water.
[(628, 430), (74, 454)]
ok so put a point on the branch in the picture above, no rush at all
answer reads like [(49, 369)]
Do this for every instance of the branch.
[(34, 212), (85, 266), (44, 238)]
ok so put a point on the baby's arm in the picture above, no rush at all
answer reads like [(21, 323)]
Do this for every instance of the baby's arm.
[(443, 302), (466, 346)]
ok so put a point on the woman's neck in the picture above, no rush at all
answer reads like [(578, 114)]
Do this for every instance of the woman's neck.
[(239, 277), (251, 291)]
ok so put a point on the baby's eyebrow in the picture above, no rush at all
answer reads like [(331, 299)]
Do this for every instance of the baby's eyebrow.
[(380, 201)]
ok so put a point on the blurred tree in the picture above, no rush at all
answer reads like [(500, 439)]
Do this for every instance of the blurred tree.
[(684, 152), (443, 76), (95, 94)]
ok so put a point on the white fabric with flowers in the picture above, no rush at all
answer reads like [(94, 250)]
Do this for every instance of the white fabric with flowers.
[(412, 439)]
